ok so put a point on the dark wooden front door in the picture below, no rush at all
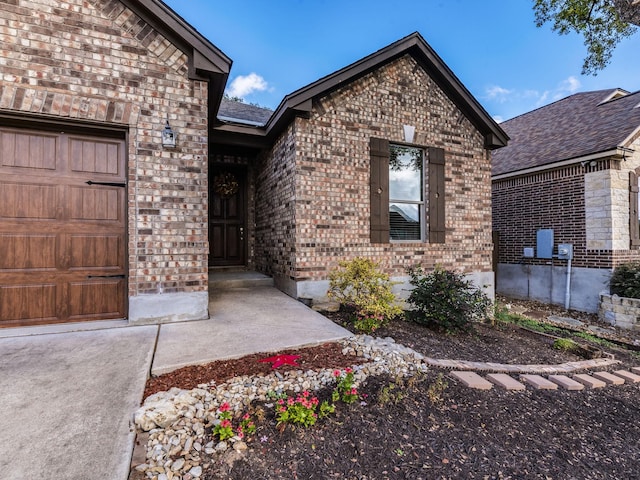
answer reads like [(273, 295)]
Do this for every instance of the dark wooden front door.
[(227, 216), (62, 227)]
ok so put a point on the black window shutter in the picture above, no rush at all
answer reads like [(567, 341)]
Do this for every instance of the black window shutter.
[(379, 190), (634, 227), (436, 195)]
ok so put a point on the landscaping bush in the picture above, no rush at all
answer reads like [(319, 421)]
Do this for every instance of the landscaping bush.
[(625, 281), (445, 300), (359, 284)]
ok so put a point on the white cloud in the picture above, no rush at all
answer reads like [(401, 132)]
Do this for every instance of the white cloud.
[(498, 118), (498, 93), (571, 84), (567, 87), (242, 86)]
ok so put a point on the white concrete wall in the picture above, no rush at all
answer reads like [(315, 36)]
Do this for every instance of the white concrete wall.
[(547, 284), (317, 290)]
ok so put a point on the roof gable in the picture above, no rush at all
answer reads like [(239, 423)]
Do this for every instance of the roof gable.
[(579, 125), (206, 61), (300, 102)]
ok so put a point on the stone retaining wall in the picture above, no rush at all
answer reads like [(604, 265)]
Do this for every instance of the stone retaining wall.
[(620, 311)]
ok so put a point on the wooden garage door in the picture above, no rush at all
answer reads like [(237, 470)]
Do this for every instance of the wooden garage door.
[(62, 227)]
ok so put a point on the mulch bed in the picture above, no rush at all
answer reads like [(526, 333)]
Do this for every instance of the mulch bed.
[(431, 427), (311, 358)]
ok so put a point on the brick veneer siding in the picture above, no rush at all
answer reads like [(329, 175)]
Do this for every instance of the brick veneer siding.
[(275, 209), (556, 199), (319, 171), (95, 60), (552, 199)]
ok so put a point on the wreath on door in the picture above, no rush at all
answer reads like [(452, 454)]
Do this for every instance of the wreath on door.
[(225, 185)]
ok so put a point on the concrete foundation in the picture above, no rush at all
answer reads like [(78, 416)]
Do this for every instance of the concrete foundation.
[(317, 290), (546, 283), (168, 308)]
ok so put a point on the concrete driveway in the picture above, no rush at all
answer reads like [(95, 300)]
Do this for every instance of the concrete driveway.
[(66, 402)]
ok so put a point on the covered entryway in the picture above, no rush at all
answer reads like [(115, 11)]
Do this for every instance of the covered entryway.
[(62, 227)]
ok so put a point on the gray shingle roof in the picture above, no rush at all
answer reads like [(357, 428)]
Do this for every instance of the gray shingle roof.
[(573, 127), (239, 112)]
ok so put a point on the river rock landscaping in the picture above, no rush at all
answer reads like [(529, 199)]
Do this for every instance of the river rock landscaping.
[(410, 419)]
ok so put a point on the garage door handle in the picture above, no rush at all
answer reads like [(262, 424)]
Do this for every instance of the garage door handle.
[(105, 276), (108, 184)]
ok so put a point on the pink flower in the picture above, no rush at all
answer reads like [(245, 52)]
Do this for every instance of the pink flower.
[(224, 407), (353, 391), (225, 423), (336, 373), (348, 370), (290, 401), (281, 402), (240, 435), (246, 416)]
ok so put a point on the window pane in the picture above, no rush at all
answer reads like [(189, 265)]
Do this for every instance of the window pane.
[(404, 221), (405, 173)]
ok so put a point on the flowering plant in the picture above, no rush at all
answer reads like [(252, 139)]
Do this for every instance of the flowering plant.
[(344, 390), (302, 410), (224, 429), (368, 322), (246, 427)]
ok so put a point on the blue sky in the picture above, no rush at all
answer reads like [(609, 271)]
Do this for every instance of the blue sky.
[(493, 46)]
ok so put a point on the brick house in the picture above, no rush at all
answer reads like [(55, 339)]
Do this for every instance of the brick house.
[(102, 216), (570, 167)]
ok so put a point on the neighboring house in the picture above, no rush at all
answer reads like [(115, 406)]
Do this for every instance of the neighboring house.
[(99, 219), (571, 167)]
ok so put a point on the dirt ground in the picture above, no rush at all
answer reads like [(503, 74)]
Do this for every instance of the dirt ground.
[(431, 427)]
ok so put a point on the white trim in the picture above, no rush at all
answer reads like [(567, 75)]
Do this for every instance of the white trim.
[(241, 121), (627, 140), (618, 151), (617, 93)]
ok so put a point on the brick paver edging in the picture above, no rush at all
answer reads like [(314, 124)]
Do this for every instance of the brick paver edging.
[(566, 367)]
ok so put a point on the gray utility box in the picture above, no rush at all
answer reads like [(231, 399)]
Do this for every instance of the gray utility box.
[(544, 243), (565, 251)]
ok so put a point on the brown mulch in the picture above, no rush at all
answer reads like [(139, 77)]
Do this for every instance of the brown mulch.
[(431, 427), (312, 358)]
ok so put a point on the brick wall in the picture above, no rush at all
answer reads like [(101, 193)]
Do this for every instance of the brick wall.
[(524, 205), (96, 61), (275, 208), (586, 205), (329, 154)]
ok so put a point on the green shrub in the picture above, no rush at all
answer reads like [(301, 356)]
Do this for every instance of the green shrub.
[(359, 284), (446, 300), (564, 344), (625, 281)]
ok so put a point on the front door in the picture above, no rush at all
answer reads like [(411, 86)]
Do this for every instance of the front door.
[(227, 216)]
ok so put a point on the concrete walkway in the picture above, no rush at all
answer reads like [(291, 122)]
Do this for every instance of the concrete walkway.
[(246, 320), (67, 398)]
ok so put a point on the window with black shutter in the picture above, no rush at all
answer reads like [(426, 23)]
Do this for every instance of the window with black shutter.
[(407, 182)]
